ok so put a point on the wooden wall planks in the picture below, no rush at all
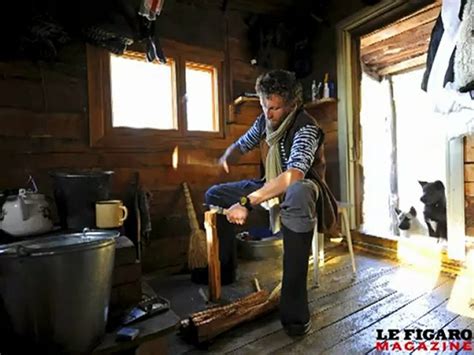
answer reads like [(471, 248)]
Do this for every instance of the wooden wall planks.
[(43, 115), (469, 183), (34, 97), (44, 120), (326, 115)]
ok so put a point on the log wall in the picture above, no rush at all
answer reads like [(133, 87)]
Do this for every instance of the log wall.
[(469, 183), (44, 127), (44, 123)]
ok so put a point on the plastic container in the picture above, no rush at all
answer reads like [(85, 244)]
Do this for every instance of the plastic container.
[(76, 193), (326, 93), (314, 91)]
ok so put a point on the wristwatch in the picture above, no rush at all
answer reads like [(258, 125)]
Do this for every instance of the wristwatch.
[(245, 202)]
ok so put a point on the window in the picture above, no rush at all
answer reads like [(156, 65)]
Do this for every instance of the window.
[(135, 103), (134, 84), (201, 98)]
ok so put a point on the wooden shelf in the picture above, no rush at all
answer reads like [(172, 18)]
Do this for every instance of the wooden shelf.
[(321, 102), (244, 114), (241, 99)]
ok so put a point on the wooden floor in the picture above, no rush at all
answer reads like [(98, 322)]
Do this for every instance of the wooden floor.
[(346, 311)]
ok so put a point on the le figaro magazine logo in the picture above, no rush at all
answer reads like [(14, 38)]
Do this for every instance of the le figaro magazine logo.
[(431, 340)]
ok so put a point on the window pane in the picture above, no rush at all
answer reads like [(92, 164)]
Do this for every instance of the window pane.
[(201, 98), (142, 93)]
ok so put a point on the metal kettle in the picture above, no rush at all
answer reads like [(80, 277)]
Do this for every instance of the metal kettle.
[(27, 213)]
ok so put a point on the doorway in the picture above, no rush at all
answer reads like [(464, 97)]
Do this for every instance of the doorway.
[(350, 31), (401, 145)]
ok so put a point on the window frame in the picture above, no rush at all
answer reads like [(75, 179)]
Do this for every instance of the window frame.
[(101, 131), (215, 92)]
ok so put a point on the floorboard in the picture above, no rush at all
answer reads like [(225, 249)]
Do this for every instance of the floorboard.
[(327, 302), (364, 341), (346, 311), (354, 323)]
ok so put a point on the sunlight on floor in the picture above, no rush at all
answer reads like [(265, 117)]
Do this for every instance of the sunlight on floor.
[(422, 257), (410, 280), (461, 300)]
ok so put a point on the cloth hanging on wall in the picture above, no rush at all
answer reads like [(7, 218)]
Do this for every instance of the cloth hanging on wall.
[(450, 86), (464, 55)]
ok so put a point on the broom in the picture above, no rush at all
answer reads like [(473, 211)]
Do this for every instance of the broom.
[(197, 250)]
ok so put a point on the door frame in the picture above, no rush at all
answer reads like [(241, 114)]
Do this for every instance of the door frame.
[(348, 32)]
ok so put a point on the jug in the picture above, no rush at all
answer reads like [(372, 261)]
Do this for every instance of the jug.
[(25, 214)]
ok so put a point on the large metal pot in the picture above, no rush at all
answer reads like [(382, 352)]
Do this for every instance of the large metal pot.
[(55, 290)]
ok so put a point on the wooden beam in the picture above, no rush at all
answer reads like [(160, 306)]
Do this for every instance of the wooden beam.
[(29, 124), (375, 62), (400, 42), (468, 173), (370, 71), (403, 66), (428, 14), (252, 6), (469, 189), (469, 149)]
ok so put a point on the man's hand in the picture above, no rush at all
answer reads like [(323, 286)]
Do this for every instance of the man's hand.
[(237, 214), (231, 156), (223, 163)]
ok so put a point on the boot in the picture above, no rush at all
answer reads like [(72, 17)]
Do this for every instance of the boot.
[(227, 250), (294, 311), (227, 255)]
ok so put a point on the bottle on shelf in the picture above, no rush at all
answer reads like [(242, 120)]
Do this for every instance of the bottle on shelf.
[(326, 86), (314, 91), (332, 89)]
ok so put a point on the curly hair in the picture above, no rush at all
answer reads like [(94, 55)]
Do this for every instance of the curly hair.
[(279, 82)]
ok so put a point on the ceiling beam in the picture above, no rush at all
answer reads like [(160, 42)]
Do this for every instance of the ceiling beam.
[(403, 66), (426, 15)]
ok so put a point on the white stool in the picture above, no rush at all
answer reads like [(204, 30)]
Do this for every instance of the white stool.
[(318, 242)]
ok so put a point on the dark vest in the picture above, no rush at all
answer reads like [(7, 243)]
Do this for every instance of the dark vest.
[(326, 204)]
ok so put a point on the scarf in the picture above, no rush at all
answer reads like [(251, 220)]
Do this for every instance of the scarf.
[(273, 166)]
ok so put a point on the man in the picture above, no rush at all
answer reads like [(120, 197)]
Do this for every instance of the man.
[(294, 171)]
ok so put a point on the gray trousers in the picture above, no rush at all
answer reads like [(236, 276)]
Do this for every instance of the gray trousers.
[(298, 217), (298, 209)]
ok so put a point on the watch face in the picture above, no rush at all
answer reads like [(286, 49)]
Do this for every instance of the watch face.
[(243, 200)]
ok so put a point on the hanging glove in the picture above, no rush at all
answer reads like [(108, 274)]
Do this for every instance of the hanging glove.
[(149, 9)]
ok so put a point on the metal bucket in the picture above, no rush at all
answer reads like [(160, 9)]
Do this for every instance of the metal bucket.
[(55, 290), (76, 193)]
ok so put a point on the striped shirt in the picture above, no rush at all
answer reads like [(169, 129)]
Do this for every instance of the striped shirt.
[(303, 149)]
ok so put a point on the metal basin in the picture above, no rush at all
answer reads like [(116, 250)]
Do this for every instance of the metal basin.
[(55, 290), (271, 247)]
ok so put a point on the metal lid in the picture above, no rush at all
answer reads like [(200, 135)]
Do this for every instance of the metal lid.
[(65, 242), (81, 174)]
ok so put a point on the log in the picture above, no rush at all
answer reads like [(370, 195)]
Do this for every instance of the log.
[(212, 329), (205, 325), (253, 298)]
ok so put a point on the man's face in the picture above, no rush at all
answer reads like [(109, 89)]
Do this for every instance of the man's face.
[(275, 109)]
